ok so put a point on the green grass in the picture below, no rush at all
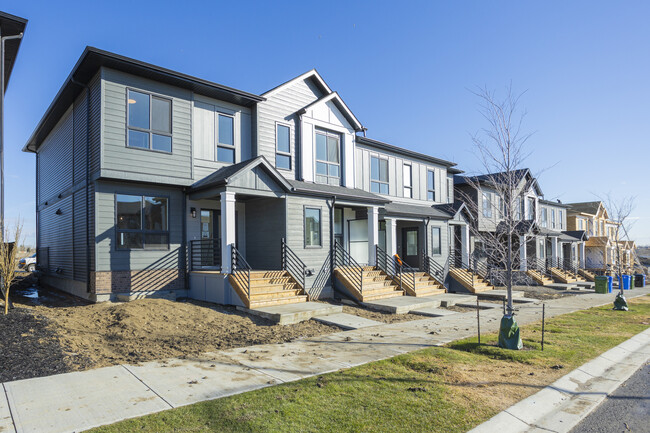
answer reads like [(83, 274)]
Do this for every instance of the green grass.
[(439, 389)]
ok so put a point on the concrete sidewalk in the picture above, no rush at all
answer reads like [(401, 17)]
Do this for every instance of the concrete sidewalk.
[(82, 400)]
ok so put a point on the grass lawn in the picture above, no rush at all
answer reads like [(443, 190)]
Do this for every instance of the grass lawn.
[(450, 389)]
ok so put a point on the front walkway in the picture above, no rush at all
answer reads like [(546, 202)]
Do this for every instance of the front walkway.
[(82, 400)]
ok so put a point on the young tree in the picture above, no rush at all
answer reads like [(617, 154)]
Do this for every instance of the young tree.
[(501, 150), (619, 212), (8, 251)]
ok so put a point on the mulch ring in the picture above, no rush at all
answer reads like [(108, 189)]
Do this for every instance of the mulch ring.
[(28, 348)]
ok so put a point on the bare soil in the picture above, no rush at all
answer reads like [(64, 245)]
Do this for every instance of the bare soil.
[(378, 316)]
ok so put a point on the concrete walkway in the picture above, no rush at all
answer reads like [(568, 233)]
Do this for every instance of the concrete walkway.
[(82, 400)]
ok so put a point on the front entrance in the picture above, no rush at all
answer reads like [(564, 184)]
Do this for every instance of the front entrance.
[(358, 230), (210, 238), (411, 246)]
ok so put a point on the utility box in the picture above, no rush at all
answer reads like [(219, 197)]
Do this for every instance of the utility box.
[(603, 284)]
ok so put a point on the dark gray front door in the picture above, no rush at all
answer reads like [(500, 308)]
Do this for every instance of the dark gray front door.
[(411, 246)]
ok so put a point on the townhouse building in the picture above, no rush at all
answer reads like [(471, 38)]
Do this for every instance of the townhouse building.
[(153, 182)]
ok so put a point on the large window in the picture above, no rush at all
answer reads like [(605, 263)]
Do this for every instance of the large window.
[(431, 185), (149, 122), (530, 211), (379, 175), (328, 162), (408, 181), (436, 244), (487, 205), (282, 147), (312, 227), (544, 217), (141, 222)]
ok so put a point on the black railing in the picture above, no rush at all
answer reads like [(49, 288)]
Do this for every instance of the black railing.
[(386, 263), (240, 270), (205, 253), (292, 263), (346, 265), (569, 265), (435, 269)]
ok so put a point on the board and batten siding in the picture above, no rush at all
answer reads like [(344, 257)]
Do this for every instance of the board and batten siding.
[(280, 108), (313, 257), (121, 162), (108, 258)]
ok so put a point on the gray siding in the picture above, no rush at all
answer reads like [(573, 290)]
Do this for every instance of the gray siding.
[(55, 162), (281, 107), (121, 162), (55, 233), (95, 124), (441, 258), (110, 259), (265, 227)]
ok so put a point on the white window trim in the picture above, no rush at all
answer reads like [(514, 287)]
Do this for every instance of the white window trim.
[(223, 145), (279, 152), (404, 187), (340, 135), (380, 182), (434, 184)]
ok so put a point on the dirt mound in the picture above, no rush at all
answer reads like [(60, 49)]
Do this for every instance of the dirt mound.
[(149, 329)]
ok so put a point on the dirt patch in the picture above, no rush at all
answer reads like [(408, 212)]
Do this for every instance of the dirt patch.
[(545, 293), (378, 316), (458, 309)]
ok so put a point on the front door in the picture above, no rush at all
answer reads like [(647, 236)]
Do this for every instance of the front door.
[(411, 246), (358, 230), (210, 237), (458, 246)]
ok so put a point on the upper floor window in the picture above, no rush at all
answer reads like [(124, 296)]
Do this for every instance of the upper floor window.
[(544, 217), (378, 175), (149, 122), (552, 218), (282, 147), (530, 211), (408, 181), (450, 190), (561, 219), (141, 222), (487, 205), (226, 138), (328, 162), (580, 224), (431, 185)]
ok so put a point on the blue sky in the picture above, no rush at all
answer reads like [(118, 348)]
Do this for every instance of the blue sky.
[(404, 68)]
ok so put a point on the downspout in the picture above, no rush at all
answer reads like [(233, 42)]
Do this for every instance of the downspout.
[(88, 235), (332, 241), (185, 246)]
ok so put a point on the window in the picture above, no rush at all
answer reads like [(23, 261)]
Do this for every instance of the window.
[(408, 181), (561, 219), (141, 222), (149, 122), (282, 147), (312, 227), (530, 212), (226, 138), (552, 218), (580, 224), (501, 209), (378, 175), (544, 217), (541, 249), (519, 208), (450, 190), (338, 225), (328, 163), (487, 205), (431, 185), (436, 246)]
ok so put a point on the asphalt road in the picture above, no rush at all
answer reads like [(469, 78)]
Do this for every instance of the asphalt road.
[(626, 410)]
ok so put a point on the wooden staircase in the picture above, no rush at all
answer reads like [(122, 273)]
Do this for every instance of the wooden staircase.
[(425, 284), (587, 275), (376, 283), (269, 288), (475, 285), (564, 276), (539, 277)]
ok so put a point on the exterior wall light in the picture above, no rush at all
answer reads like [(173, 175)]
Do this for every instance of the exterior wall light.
[(193, 212)]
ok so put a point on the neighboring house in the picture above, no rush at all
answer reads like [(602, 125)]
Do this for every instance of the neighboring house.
[(149, 180)]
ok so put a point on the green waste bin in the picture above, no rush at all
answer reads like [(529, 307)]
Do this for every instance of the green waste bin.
[(603, 284)]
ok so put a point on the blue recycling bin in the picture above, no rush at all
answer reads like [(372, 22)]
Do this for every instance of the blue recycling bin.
[(624, 281), (639, 280)]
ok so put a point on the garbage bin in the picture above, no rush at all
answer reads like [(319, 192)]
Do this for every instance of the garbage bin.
[(624, 280), (603, 284), (639, 280)]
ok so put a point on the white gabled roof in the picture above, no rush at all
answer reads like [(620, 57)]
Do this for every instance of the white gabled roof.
[(334, 97), (313, 74)]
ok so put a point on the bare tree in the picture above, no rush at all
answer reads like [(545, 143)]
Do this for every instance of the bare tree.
[(8, 251), (501, 150)]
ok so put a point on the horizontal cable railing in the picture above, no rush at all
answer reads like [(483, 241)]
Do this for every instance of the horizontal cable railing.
[(205, 253), (292, 263), (346, 265), (240, 270)]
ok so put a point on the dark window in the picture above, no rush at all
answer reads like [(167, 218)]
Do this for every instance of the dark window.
[(328, 163), (226, 139), (141, 222), (283, 147), (379, 175), (431, 185), (436, 246), (312, 227), (149, 122), (408, 180)]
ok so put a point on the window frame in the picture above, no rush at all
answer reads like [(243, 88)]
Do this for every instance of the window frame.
[(328, 133), (543, 216), (232, 147), (150, 131), (378, 181), (553, 218), (280, 152), (560, 218), (439, 253), (320, 226), (486, 204), (431, 189), (141, 230), (404, 187)]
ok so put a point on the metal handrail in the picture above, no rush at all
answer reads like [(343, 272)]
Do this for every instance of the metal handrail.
[(349, 267), (205, 253), (292, 263), (570, 266), (388, 264), (240, 270), (405, 269), (435, 269)]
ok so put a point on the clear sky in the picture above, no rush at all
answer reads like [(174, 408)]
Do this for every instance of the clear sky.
[(404, 68)]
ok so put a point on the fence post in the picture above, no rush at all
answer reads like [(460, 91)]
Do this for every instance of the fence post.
[(478, 321), (543, 319)]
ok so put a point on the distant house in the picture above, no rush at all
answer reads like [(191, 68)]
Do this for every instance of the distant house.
[(153, 182)]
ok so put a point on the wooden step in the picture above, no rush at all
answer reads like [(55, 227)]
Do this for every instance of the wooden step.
[(269, 274), (365, 297), (279, 294), (279, 301)]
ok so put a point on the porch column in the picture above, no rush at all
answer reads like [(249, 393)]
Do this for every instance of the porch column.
[(227, 229), (391, 236), (373, 233), (554, 260), (522, 253), (582, 255), (464, 240)]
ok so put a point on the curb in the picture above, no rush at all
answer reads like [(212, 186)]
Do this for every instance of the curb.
[(562, 405)]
